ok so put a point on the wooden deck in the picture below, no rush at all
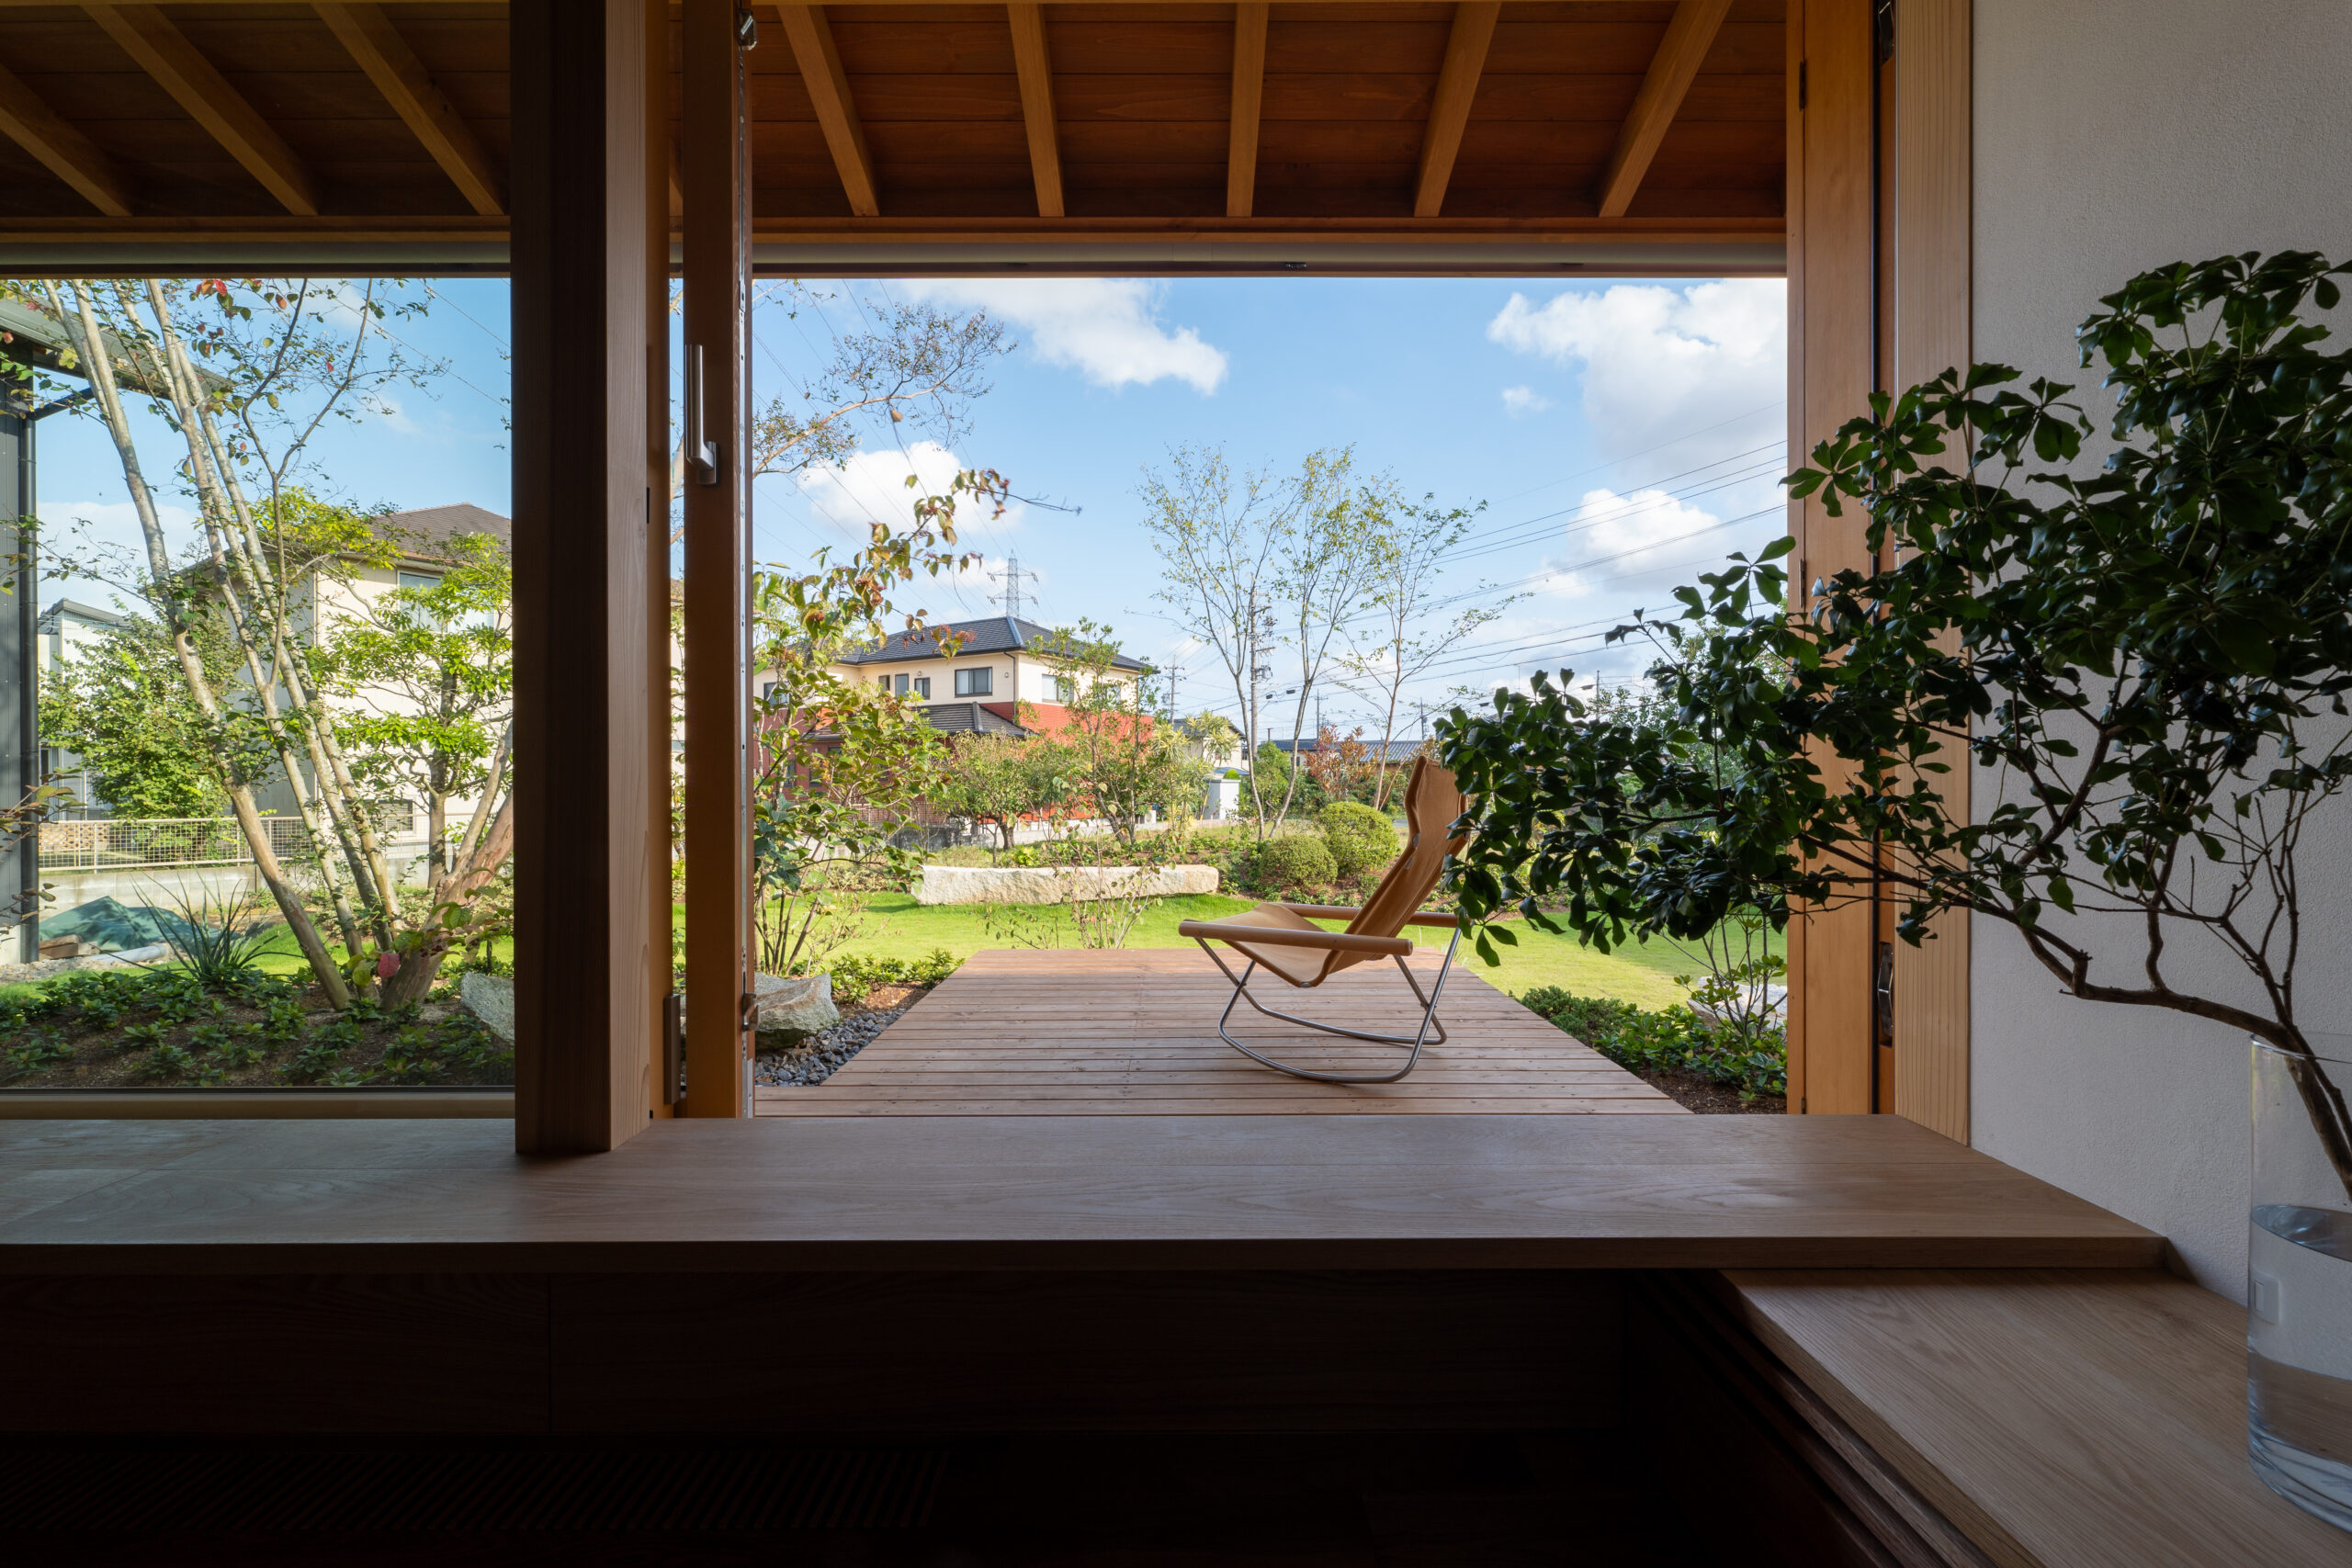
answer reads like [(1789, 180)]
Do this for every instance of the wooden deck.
[(1082, 1034)]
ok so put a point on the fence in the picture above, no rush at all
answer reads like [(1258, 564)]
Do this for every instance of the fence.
[(112, 843)]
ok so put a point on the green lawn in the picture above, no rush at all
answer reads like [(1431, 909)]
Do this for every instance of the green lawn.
[(1643, 974)]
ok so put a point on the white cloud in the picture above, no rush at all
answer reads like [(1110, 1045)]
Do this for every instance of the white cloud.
[(1524, 400), (1107, 328), (1663, 362), (1607, 527), (870, 487)]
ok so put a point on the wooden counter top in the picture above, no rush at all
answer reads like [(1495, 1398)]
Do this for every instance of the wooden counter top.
[(1065, 1192)]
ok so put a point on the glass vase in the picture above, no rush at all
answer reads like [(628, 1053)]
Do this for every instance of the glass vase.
[(2298, 1277)]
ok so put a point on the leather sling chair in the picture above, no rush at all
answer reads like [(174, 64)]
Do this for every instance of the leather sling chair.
[(1283, 940)]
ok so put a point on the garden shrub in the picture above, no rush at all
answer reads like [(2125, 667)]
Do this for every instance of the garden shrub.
[(1363, 842), (857, 975), (1673, 1041), (1296, 863)]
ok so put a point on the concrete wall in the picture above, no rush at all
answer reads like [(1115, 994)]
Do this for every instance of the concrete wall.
[(2113, 136)]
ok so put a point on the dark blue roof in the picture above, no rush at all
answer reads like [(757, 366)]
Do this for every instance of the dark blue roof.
[(998, 634)]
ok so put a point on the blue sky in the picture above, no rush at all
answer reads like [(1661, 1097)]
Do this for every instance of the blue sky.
[(1586, 416)]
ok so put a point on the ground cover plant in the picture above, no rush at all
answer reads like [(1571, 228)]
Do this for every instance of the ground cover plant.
[(145, 1027), (1670, 1042)]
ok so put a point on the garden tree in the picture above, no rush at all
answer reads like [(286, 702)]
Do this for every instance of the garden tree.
[(1292, 785), (427, 678), (2150, 665), (843, 764), (243, 375), (1255, 563), (122, 705), (1342, 767), (1002, 780), (1402, 635), (1128, 756), (1210, 736)]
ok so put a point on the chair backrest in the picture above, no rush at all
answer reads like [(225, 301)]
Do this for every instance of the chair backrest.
[(1431, 803)]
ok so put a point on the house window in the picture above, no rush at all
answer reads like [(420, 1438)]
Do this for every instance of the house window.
[(975, 682), (419, 579), (883, 682), (923, 687), (1065, 690), (904, 681)]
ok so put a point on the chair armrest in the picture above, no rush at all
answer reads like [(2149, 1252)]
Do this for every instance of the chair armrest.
[(1340, 912), (1275, 936)]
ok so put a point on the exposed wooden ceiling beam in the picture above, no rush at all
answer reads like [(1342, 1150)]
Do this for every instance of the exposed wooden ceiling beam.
[(1248, 98), (1687, 37), (1036, 67), (821, 68), (376, 45), (1457, 85), (164, 54), (63, 151)]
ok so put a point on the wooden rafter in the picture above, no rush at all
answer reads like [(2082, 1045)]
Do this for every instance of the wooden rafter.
[(369, 34), (1036, 71), (1457, 85), (1248, 98), (821, 68), (164, 53), (63, 151), (1679, 54)]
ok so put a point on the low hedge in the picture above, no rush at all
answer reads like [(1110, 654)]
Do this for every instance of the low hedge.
[(1674, 1041), (1296, 863)]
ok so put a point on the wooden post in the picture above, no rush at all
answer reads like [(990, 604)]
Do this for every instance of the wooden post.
[(1831, 361), (583, 701), (715, 157), (661, 172), (1934, 182)]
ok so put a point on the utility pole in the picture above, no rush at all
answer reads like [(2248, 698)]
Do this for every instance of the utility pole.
[(1011, 577)]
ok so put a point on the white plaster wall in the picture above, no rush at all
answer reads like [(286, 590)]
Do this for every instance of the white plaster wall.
[(2113, 136)]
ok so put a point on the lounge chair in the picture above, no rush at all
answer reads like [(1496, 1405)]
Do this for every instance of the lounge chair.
[(1283, 940)]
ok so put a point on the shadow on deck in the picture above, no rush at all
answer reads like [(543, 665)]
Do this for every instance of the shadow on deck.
[(1133, 1033)]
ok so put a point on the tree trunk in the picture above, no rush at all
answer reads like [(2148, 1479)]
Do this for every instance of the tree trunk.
[(100, 369)]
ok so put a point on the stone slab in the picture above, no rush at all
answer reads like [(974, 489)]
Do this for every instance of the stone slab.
[(1056, 885)]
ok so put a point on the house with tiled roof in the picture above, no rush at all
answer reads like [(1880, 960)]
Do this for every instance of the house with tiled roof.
[(973, 677)]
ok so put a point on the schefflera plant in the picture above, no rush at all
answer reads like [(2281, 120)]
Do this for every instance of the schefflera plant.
[(2150, 662)]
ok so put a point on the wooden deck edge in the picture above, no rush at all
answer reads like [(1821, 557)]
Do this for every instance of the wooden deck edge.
[(251, 1104)]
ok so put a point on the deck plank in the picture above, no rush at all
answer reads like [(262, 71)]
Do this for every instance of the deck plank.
[(1134, 1033)]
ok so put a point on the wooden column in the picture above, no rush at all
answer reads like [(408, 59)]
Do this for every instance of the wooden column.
[(583, 698), (1933, 184), (661, 172), (715, 158), (1831, 350)]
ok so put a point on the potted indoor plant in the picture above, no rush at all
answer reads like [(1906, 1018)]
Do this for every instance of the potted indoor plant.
[(2149, 664)]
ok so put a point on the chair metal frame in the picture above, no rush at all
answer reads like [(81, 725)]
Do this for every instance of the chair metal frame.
[(1416, 1040)]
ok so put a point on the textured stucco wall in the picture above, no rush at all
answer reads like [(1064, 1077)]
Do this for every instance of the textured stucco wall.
[(2112, 136)]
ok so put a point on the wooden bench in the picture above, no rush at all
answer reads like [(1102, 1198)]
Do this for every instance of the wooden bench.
[(1950, 1419)]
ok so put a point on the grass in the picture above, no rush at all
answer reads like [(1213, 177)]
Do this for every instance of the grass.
[(1642, 975)]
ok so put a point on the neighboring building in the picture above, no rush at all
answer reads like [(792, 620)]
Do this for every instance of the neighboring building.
[(996, 666), (63, 629), (422, 538)]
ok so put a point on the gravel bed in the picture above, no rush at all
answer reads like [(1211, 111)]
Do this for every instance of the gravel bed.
[(818, 1057)]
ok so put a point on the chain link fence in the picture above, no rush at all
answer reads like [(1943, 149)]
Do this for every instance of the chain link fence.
[(112, 843)]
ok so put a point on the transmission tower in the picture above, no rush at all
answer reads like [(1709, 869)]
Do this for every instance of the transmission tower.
[(1010, 596)]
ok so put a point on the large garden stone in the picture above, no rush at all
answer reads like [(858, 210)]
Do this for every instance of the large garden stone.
[(791, 1010), (1056, 885), (490, 997)]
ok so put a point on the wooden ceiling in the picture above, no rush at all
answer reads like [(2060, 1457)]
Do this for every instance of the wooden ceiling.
[(1347, 135)]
